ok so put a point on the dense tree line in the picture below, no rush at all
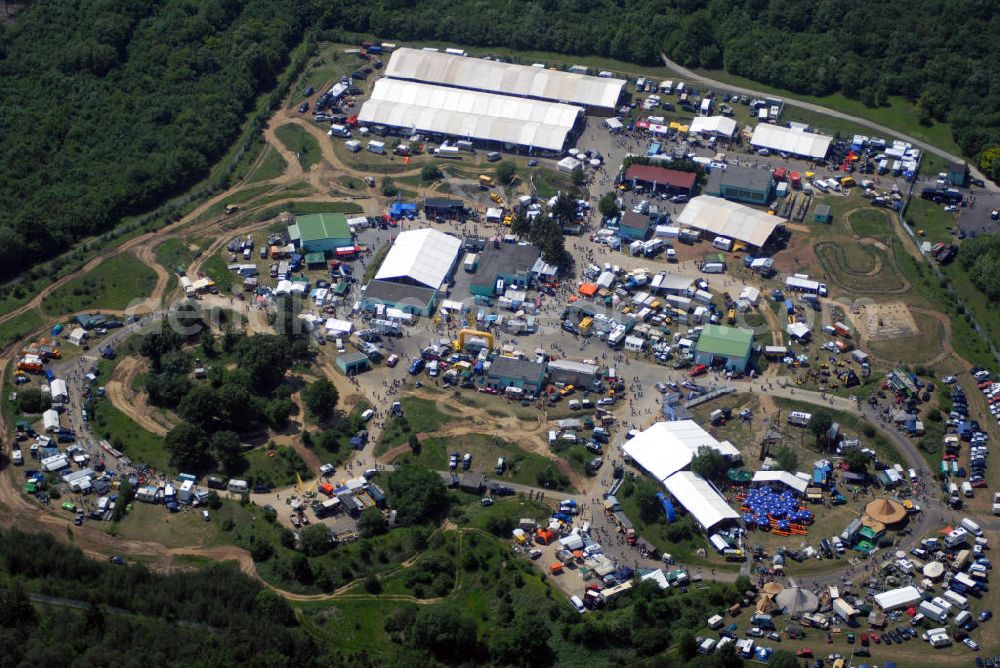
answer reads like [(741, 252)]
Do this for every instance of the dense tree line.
[(938, 54), (215, 616), (980, 257), (110, 108)]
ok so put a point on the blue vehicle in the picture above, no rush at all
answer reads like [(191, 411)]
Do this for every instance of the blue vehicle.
[(416, 367)]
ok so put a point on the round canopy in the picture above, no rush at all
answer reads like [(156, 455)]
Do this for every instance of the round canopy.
[(797, 601), (773, 588), (886, 511), (934, 570)]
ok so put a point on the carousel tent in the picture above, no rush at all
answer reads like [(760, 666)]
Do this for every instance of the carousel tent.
[(797, 601), (885, 511), (773, 588)]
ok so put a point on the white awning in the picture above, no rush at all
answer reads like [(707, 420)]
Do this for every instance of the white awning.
[(783, 477)]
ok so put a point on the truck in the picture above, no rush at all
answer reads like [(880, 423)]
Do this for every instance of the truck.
[(471, 262), (486, 182)]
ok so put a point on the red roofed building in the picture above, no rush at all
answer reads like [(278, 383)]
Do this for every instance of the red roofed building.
[(660, 178)]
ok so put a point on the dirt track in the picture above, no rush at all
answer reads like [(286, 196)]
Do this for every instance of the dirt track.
[(133, 404)]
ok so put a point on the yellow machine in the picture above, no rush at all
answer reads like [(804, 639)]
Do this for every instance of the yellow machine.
[(459, 343), (496, 198), (306, 488), (486, 181)]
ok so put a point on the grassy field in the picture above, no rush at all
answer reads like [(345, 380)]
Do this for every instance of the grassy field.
[(113, 284), (522, 466), (174, 253), (547, 183), (302, 143), (421, 416), (849, 424), (217, 269), (139, 445), (277, 471), (324, 207), (935, 222), (184, 529), (271, 166), (871, 222), (19, 327)]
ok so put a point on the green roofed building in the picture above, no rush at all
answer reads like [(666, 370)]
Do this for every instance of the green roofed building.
[(724, 345), (320, 232), (315, 260)]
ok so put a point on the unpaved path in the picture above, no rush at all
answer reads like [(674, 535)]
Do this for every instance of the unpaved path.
[(133, 404)]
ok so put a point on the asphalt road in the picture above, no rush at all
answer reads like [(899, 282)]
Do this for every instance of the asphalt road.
[(688, 74)]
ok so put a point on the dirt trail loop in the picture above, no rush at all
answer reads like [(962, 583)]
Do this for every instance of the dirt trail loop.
[(526, 435), (133, 404)]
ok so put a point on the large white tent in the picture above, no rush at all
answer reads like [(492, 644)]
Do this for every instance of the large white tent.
[(719, 126), (422, 256), (59, 390), (700, 499), (729, 219), (505, 78), (667, 447), (790, 140), (469, 114), (894, 599)]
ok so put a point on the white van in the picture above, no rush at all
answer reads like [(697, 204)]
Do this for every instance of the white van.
[(578, 604), (971, 527), (205, 516), (367, 415), (956, 600), (962, 618), (17, 458), (957, 537), (553, 437), (967, 489), (723, 243)]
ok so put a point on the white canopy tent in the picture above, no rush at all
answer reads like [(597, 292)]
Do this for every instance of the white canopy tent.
[(729, 219), (469, 114), (719, 126), (424, 256), (700, 499), (785, 478), (493, 76), (790, 140), (667, 447)]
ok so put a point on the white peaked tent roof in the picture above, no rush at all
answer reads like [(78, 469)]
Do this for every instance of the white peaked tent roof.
[(58, 388), (425, 256), (468, 113), (489, 75), (719, 125), (796, 601), (700, 499), (667, 447), (790, 140), (784, 477), (729, 219), (51, 419)]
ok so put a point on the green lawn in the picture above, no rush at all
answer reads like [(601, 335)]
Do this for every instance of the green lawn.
[(325, 207), (277, 471), (931, 218), (113, 284), (871, 222), (174, 253), (297, 139), (139, 445), (522, 466), (217, 269), (420, 416), (271, 166), (547, 182), (20, 326)]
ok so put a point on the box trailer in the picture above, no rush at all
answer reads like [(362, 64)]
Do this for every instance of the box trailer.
[(377, 147)]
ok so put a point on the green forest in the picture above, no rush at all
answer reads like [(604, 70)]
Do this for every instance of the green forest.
[(109, 108)]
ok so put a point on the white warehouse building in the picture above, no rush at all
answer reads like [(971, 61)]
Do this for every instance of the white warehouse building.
[(487, 118), (790, 140), (599, 95)]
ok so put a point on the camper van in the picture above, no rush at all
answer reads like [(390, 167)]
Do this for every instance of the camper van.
[(971, 527), (723, 243)]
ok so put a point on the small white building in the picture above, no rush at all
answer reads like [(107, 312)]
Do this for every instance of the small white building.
[(50, 419), (60, 393), (78, 336)]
